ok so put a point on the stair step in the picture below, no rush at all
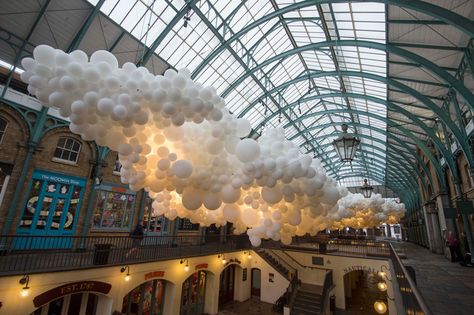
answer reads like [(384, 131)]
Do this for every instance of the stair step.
[(304, 310)]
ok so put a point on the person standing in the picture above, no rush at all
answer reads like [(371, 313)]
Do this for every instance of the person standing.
[(137, 236), (453, 244)]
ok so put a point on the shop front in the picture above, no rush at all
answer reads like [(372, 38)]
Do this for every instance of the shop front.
[(76, 298), (226, 285), (146, 299), (156, 227), (193, 294), (114, 208), (51, 209)]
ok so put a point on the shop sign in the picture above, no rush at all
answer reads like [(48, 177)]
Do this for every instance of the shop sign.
[(154, 274), (362, 268), (201, 266), (70, 288)]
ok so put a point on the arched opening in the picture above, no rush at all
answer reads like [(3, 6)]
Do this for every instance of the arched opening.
[(193, 293), (146, 299), (227, 281), (256, 283), (361, 292), (87, 303)]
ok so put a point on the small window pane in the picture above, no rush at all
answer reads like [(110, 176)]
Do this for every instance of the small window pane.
[(67, 149)]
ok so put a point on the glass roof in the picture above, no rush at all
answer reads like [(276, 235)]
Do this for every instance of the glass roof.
[(264, 80)]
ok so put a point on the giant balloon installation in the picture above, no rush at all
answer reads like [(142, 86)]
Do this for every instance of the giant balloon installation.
[(176, 140), (359, 212)]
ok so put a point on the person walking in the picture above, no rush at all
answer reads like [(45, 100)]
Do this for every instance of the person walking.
[(453, 244), (137, 236)]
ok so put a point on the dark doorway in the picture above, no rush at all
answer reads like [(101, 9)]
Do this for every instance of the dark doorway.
[(256, 282), (226, 285)]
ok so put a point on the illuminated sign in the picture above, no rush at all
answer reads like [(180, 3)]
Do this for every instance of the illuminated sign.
[(74, 287), (201, 266), (154, 274)]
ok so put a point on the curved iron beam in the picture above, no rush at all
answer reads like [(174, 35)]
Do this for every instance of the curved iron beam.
[(392, 157), (458, 134), (421, 145), (444, 75), (412, 196), (462, 23), (447, 155)]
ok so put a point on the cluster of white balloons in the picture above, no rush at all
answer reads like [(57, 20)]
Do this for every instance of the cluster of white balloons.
[(359, 212), (177, 140)]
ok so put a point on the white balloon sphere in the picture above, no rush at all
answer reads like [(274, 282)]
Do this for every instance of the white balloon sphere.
[(247, 150), (231, 212), (104, 56), (182, 168)]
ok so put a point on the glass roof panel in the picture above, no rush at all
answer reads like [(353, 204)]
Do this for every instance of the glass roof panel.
[(285, 81)]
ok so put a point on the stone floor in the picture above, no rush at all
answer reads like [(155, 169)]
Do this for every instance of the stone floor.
[(448, 288), (250, 307)]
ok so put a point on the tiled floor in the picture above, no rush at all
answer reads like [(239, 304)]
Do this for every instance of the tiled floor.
[(250, 307), (448, 288)]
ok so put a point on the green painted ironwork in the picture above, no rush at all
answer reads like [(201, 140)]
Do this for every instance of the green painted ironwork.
[(445, 76), (85, 27), (462, 23), (420, 144)]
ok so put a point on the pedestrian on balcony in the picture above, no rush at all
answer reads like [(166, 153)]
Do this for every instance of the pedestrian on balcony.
[(137, 236), (453, 244)]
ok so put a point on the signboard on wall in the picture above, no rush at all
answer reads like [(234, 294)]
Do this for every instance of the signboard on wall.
[(319, 261), (271, 277), (154, 274), (70, 288)]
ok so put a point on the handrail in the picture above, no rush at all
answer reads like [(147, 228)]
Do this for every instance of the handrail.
[(413, 301), (281, 258), (291, 290), (328, 282)]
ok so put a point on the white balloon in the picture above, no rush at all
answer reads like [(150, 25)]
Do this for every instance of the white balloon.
[(182, 168), (247, 150)]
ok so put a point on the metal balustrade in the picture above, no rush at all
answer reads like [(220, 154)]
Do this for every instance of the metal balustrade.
[(413, 302), (36, 254)]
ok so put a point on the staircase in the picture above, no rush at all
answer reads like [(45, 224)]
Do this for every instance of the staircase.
[(274, 263), (307, 300)]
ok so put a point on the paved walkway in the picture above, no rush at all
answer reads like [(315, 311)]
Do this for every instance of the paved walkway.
[(448, 288), (250, 307)]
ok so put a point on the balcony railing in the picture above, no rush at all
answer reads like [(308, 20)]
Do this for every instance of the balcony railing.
[(346, 247), (36, 254), (413, 302)]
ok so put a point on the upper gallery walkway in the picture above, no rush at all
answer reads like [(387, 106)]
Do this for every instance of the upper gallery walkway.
[(446, 287)]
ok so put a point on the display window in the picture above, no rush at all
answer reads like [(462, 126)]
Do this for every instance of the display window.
[(73, 304), (146, 299), (154, 224), (185, 224), (114, 208), (52, 204), (193, 294)]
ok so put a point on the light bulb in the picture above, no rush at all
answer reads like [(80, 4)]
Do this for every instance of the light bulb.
[(186, 268), (382, 286), (25, 292), (249, 256), (224, 261), (127, 277), (380, 307), (382, 274)]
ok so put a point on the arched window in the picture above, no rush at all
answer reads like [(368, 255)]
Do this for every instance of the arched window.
[(67, 150), (3, 128)]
